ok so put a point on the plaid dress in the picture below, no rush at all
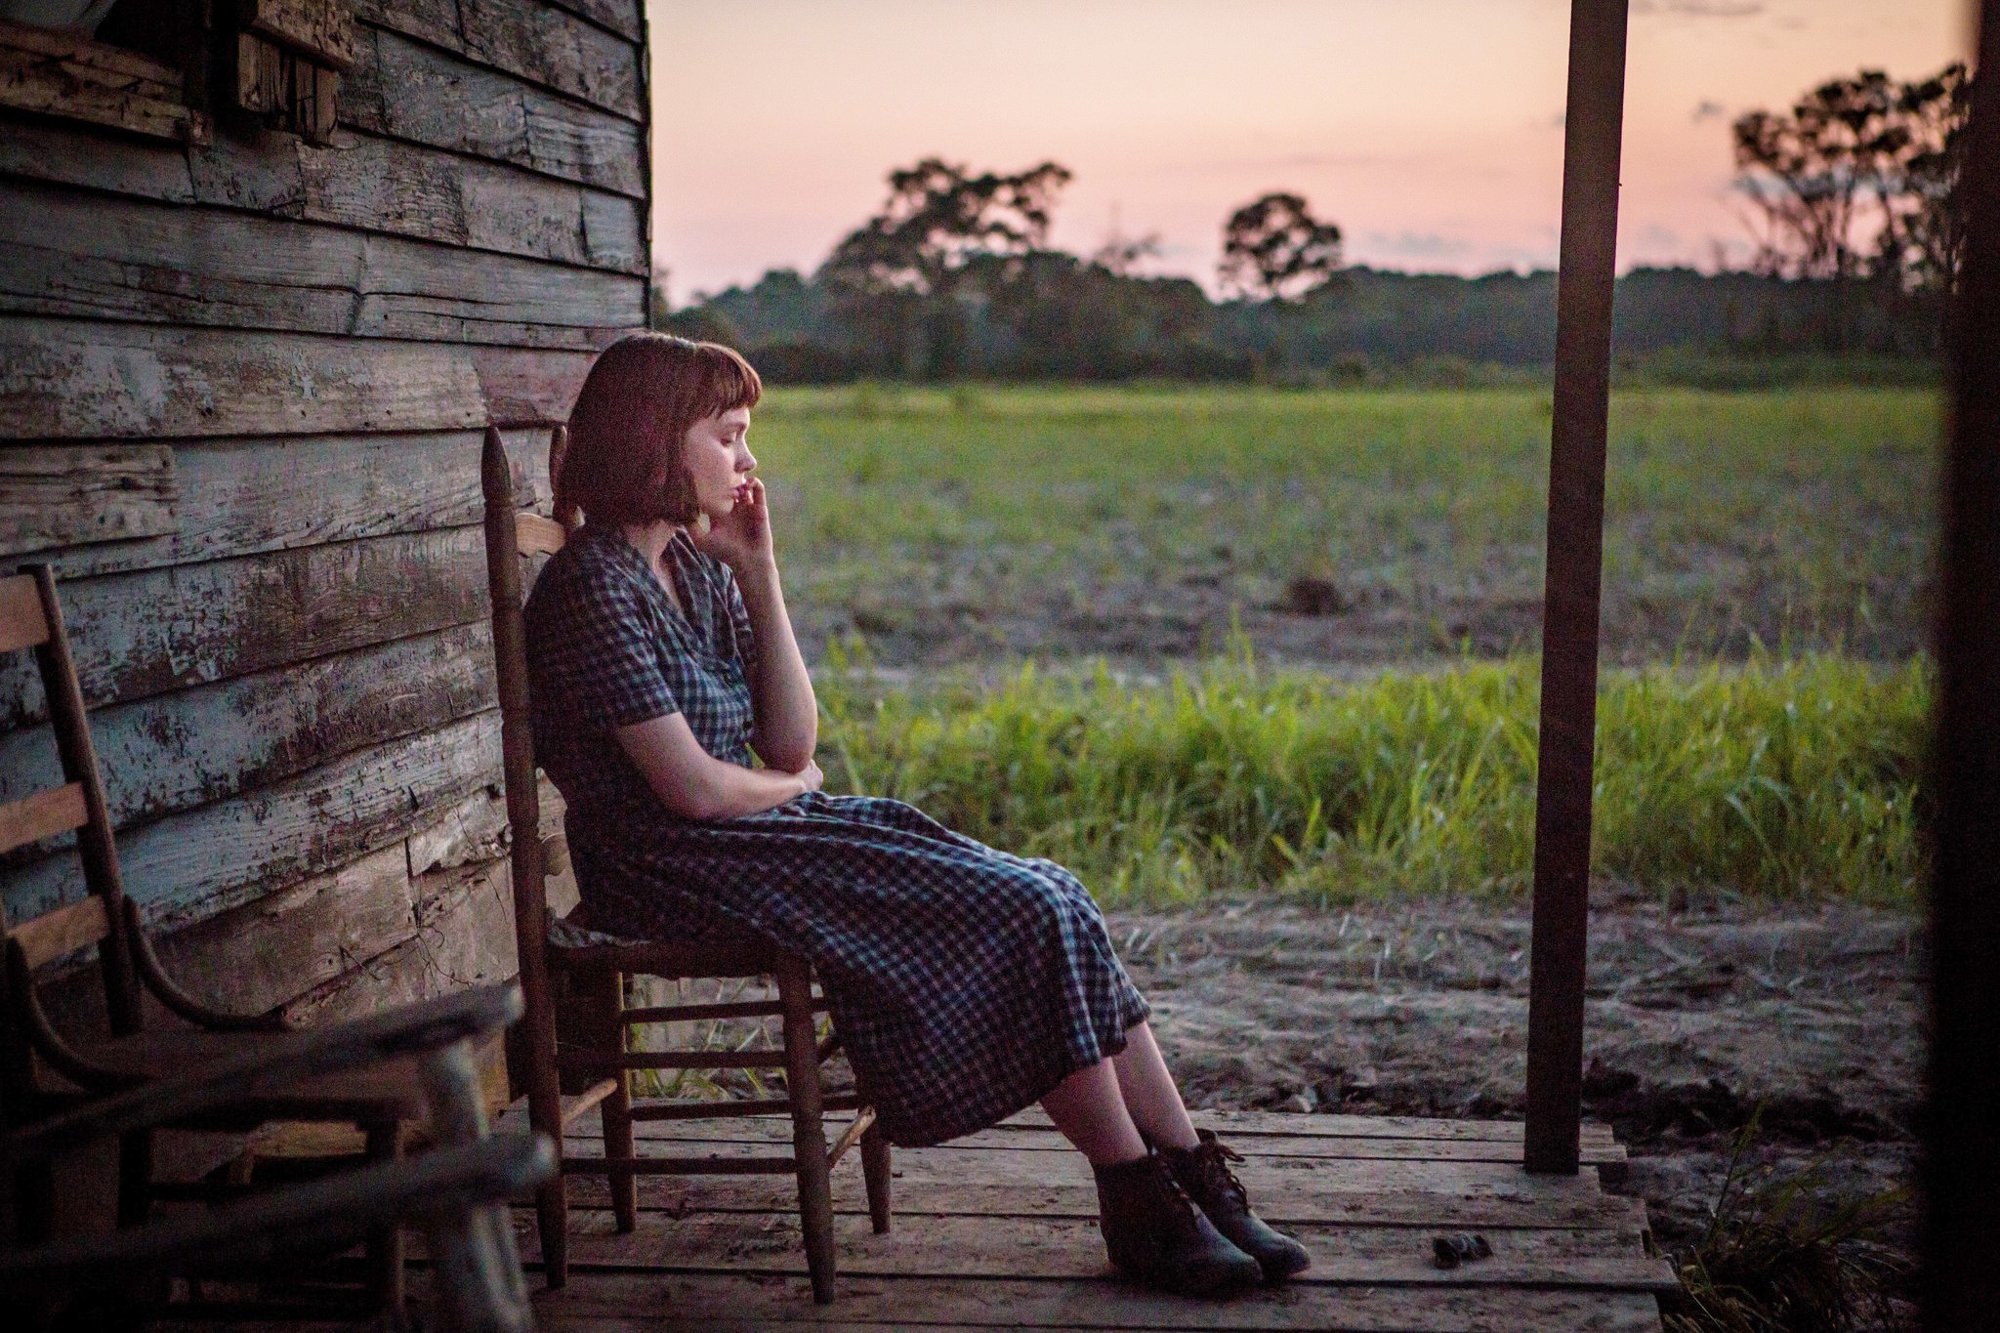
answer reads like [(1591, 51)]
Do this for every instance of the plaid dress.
[(965, 982)]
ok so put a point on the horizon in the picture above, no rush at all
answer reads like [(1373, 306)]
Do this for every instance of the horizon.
[(1169, 127)]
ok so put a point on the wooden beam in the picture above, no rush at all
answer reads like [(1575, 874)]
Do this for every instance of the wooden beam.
[(188, 747), (535, 42), (1961, 1172), (468, 108), (322, 29), (243, 497), (65, 254), (1592, 134), (137, 635), (192, 865), (66, 378), (74, 78), (69, 496), (368, 183)]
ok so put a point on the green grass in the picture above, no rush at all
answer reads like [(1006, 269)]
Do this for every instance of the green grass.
[(1782, 779), (1796, 520)]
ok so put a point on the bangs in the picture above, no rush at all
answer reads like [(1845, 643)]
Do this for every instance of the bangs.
[(724, 381)]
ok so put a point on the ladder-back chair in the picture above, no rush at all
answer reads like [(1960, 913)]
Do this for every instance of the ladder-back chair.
[(46, 1071), (586, 980)]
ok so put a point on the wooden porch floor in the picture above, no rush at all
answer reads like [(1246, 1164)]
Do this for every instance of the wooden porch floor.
[(999, 1230)]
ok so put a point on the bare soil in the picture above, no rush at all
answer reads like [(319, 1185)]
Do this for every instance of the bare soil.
[(1695, 1020)]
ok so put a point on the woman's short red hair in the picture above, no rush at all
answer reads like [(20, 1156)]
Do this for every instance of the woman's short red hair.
[(623, 464)]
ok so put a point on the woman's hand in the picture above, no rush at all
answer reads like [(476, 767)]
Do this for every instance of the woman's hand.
[(811, 776), (742, 538)]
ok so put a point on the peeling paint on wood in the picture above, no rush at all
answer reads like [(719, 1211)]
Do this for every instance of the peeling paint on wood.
[(196, 864), (136, 635), (76, 495), (248, 496), (189, 747)]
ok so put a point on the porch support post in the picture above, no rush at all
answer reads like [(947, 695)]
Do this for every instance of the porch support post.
[(1961, 1171), (1592, 131)]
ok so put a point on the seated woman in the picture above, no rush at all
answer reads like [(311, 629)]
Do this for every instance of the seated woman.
[(965, 982)]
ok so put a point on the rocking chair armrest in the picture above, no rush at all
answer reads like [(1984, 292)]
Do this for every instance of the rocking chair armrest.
[(418, 1029), (49, 1043), (254, 1231), (169, 993)]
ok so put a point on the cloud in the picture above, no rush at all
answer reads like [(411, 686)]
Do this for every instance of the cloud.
[(1420, 244), (1702, 9), (1709, 109)]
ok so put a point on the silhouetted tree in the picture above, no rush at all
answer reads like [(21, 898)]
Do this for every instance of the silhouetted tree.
[(896, 278), (1923, 237), (1274, 247)]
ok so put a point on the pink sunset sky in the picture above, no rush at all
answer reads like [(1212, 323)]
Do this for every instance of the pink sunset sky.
[(1429, 130)]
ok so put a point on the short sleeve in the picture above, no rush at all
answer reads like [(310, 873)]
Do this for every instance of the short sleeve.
[(600, 646)]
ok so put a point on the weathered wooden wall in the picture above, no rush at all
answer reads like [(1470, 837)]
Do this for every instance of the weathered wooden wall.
[(242, 386)]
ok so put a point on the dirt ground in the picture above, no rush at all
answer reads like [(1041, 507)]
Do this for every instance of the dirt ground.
[(1694, 1019)]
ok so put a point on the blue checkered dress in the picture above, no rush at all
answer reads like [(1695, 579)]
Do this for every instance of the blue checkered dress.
[(965, 982)]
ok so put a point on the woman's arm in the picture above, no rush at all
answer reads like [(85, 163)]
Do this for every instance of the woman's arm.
[(694, 784), (786, 728)]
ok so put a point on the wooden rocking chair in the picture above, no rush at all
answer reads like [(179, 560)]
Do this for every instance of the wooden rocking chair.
[(44, 1072), (591, 976)]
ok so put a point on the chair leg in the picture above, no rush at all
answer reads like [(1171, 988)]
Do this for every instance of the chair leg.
[(606, 998), (875, 1171), (384, 1249), (808, 1129)]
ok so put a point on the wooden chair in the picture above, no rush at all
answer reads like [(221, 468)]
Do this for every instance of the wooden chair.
[(456, 1193), (46, 1072), (595, 1020)]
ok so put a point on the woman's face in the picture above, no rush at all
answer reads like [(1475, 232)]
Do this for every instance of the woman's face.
[(718, 460)]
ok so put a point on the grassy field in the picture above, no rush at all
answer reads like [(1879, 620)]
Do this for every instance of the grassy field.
[(1280, 640), (1358, 526), (1787, 780)]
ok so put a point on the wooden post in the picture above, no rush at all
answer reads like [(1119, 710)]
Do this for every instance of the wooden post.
[(503, 573), (1591, 145), (1962, 1114)]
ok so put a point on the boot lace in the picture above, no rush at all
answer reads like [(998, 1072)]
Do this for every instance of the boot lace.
[(1212, 1161)]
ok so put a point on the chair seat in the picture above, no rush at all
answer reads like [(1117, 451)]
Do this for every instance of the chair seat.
[(389, 1091), (575, 944)]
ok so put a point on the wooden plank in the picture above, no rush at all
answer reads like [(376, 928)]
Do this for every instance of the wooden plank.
[(45, 814), (255, 958), (1014, 1247), (57, 75), (75, 495), (1290, 1124), (22, 621), (195, 864), (369, 183), (1484, 1208), (536, 535), (242, 497), (536, 42), (51, 935), (188, 747), (407, 90), (136, 635), (612, 1301), (322, 29), (1263, 1176), (1370, 1148), (624, 17), (68, 378), (66, 254)]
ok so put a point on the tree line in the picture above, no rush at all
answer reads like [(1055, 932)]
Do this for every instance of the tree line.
[(1853, 195)]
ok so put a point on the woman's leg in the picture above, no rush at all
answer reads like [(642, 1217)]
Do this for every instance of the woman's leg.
[(1089, 1110), (1151, 1098)]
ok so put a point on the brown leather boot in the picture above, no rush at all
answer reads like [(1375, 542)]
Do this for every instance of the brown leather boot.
[(1204, 1173), (1155, 1235)]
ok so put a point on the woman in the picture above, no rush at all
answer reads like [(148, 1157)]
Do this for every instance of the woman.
[(965, 982)]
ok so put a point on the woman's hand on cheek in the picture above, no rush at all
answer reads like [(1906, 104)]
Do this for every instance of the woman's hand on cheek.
[(742, 537)]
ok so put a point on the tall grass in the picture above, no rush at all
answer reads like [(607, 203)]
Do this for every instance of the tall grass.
[(1789, 779)]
